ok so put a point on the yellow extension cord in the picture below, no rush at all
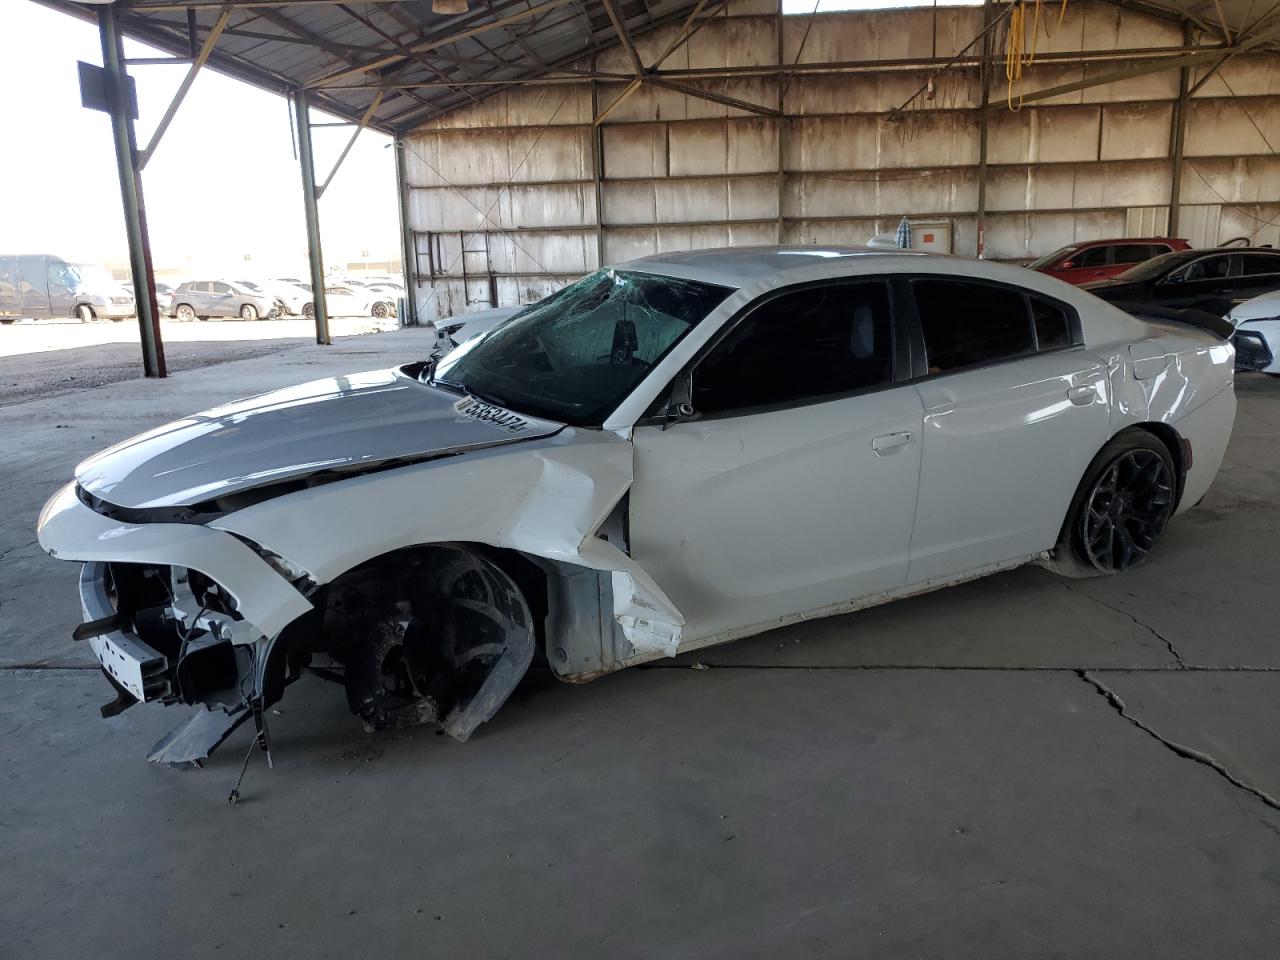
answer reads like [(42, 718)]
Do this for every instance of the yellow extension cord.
[(1016, 55)]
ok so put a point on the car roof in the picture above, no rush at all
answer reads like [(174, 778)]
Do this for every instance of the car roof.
[(739, 266), (1123, 240)]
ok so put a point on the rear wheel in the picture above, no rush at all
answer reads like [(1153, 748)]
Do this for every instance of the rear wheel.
[(309, 311), (85, 314), (185, 313), (248, 312), (1121, 508), (380, 310)]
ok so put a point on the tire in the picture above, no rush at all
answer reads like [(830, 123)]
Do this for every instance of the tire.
[(465, 638), (309, 311), (380, 310), (185, 313), (248, 312), (1121, 508), (7, 320), (85, 314)]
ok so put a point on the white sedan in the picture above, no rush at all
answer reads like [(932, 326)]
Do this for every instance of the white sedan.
[(668, 454), (1257, 337)]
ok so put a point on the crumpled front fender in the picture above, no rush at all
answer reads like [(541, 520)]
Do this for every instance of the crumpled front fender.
[(70, 530)]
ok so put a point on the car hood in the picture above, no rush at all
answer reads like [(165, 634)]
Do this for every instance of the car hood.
[(1265, 307), (341, 424)]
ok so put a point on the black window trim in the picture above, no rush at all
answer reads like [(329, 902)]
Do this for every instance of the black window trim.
[(920, 358), (900, 358)]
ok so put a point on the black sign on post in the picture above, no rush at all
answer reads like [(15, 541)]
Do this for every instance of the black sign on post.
[(93, 89)]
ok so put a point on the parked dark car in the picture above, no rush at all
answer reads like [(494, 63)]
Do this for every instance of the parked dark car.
[(1103, 259), (1211, 280)]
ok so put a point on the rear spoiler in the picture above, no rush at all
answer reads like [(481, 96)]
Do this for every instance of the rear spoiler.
[(1202, 319)]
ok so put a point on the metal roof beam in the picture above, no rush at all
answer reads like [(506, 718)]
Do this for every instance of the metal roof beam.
[(624, 35), (184, 88), (364, 121), (426, 45)]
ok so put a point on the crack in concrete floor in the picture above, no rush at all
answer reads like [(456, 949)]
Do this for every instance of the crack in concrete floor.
[(1182, 750), (1173, 651)]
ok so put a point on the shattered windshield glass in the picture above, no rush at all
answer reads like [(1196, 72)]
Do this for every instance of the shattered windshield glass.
[(577, 354)]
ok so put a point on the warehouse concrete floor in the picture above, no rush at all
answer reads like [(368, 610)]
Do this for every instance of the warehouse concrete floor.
[(1018, 766)]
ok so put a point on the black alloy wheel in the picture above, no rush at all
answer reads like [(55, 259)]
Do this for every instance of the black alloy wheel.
[(1126, 510)]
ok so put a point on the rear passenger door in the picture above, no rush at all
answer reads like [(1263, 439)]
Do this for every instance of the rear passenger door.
[(222, 300), (1014, 410), (1259, 274), (1126, 255)]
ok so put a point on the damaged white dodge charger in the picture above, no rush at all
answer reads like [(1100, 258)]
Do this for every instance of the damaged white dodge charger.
[(667, 454)]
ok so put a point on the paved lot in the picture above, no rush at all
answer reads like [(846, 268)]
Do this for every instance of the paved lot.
[(1016, 767), (40, 358)]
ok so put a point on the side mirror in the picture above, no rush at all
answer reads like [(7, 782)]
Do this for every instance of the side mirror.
[(680, 403)]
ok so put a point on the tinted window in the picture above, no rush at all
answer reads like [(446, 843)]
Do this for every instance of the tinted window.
[(221, 288), (1208, 268), (1050, 259), (577, 355), (798, 347), (1158, 267), (1134, 253), (1093, 257), (971, 323), (1053, 327), (1256, 263)]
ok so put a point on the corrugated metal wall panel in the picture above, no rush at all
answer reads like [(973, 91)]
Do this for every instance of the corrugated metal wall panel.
[(681, 171)]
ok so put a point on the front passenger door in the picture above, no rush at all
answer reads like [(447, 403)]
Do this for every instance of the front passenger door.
[(791, 487), (1204, 284)]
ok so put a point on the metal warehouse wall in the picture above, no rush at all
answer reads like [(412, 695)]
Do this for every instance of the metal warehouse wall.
[(515, 196)]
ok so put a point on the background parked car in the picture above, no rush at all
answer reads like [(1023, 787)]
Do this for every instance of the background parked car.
[(452, 332), (290, 297), (220, 298), (43, 287), (1257, 338), (345, 301), (1102, 259), (1211, 280)]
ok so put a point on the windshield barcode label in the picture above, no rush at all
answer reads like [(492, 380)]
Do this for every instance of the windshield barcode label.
[(488, 413)]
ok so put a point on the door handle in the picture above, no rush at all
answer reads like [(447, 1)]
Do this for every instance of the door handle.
[(890, 441), (1082, 396)]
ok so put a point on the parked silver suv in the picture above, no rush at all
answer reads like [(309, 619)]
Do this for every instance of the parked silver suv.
[(221, 298)]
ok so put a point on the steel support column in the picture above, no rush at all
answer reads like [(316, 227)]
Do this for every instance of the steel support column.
[(1177, 136), (988, 58), (408, 249), (302, 119), (135, 217)]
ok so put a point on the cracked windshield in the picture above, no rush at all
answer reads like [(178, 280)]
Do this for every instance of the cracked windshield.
[(576, 355)]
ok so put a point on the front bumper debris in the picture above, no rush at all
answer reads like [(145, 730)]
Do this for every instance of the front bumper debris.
[(131, 664)]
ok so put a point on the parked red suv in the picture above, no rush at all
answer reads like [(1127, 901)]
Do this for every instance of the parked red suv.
[(1103, 259)]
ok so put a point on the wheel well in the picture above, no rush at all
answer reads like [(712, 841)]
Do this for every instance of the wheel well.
[(1174, 443), (528, 576)]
